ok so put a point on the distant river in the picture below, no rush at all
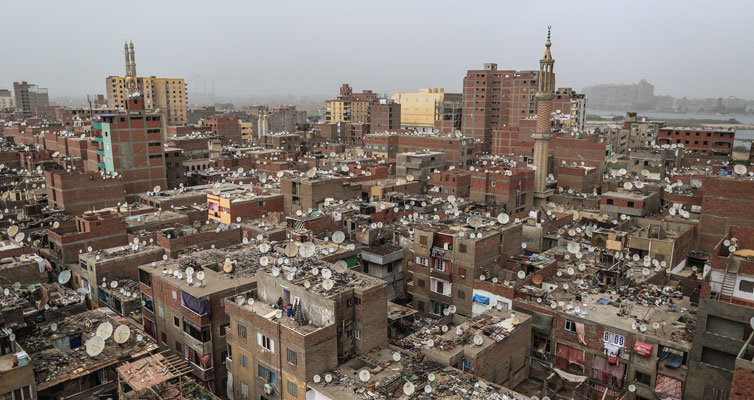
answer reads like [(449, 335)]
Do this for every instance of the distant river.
[(740, 134)]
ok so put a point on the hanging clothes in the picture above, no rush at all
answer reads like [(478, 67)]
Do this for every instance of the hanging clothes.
[(580, 330)]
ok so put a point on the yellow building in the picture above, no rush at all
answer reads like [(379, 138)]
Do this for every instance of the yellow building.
[(356, 112), (167, 94), (247, 130), (420, 109)]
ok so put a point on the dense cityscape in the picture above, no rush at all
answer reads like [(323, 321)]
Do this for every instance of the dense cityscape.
[(503, 242)]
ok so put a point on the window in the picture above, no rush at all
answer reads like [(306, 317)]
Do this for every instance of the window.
[(420, 305), (642, 378), (244, 389), (631, 204), (292, 389), (144, 276), (265, 342), (612, 338), (243, 361), (609, 201), (461, 294), (423, 240), (422, 261), (746, 286), (467, 365), (349, 302), (291, 356), (222, 328), (570, 326), (462, 271), (266, 374), (241, 331), (420, 283), (176, 322), (164, 338), (357, 301)]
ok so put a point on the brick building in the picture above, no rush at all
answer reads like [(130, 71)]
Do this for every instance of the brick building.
[(72, 191), (189, 319), (699, 140), (132, 145), (511, 189), (276, 357), (444, 260), (384, 116), (113, 263), (456, 182), (459, 151), (228, 207), (303, 193), (634, 203), (99, 230), (225, 127)]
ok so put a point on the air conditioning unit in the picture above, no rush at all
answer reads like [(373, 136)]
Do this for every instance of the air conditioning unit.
[(268, 389)]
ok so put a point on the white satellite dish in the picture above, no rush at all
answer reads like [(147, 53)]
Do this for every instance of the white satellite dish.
[(364, 375), (20, 237), (521, 274), (409, 178), (475, 221), (317, 378), (307, 249), (340, 266), (628, 185), (573, 247), (105, 330), (338, 237), (121, 334), (12, 230), (740, 169), (326, 273), (200, 275), (94, 346), (263, 261), (327, 284), (64, 277), (408, 388), (478, 340), (503, 218)]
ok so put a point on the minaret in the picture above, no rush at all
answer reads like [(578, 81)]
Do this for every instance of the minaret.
[(128, 63), (131, 86), (543, 132)]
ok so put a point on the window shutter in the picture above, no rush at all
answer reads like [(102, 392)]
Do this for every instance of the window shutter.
[(259, 339)]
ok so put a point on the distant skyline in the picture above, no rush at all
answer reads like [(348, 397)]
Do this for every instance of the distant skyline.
[(308, 48)]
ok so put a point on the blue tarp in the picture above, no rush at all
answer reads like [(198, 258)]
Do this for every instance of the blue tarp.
[(481, 299)]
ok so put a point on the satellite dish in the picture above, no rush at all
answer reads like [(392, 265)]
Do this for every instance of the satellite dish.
[(317, 378), (20, 237), (656, 325), (263, 261), (452, 309), (64, 277), (326, 273), (573, 247), (408, 388), (696, 182), (94, 346), (307, 284), (340, 266), (537, 279), (475, 221), (13, 230), (632, 388), (291, 250), (275, 271), (338, 237), (121, 334), (739, 169), (503, 218), (327, 284), (55, 225), (478, 340), (643, 328), (409, 178), (104, 330), (328, 378), (364, 375), (279, 314), (628, 185), (307, 249), (200, 275), (521, 274), (114, 284), (228, 267), (571, 271), (523, 245)]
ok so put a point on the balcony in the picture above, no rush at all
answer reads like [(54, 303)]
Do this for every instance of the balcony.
[(201, 347), (201, 373)]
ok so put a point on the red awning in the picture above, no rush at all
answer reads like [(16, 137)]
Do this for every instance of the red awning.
[(642, 348)]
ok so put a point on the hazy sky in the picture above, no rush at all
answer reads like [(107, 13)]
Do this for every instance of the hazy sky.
[(259, 48)]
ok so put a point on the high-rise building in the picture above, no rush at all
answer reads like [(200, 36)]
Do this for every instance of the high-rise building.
[(385, 116), (131, 144), (29, 98), (420, 110), (496, 98), (7, 100), (169, 95), (350, 107), (543, 132)]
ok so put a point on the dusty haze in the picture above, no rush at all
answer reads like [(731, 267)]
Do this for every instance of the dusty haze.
[(261, 48)]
